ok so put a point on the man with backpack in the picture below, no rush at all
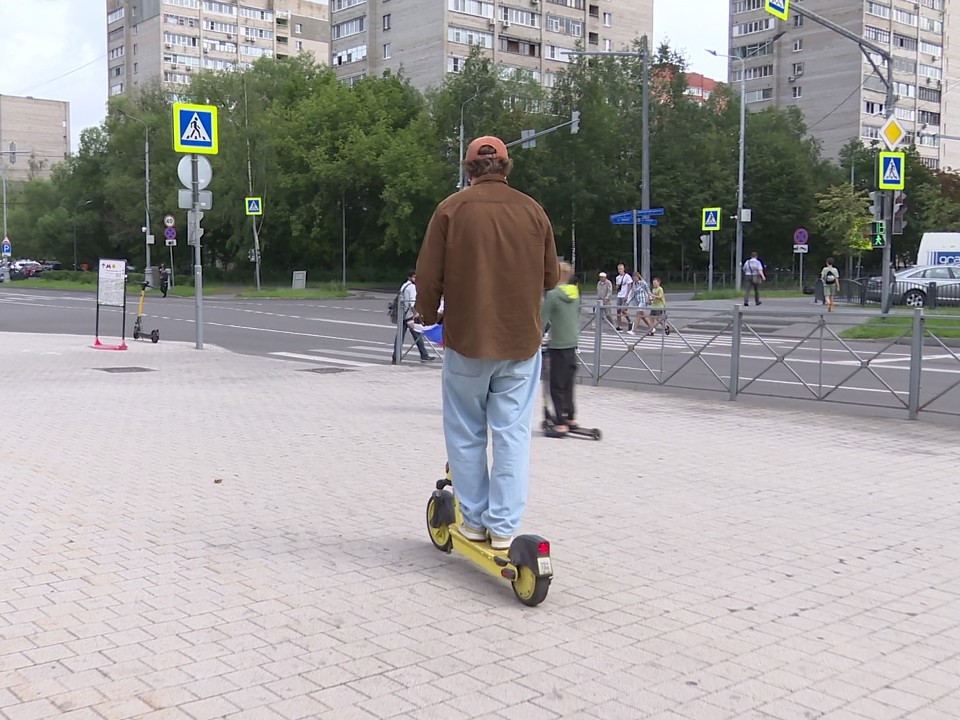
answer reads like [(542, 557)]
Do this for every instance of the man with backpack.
[(830, 277), (404, 303)]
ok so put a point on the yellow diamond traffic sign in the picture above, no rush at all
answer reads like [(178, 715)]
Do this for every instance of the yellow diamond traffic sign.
[(892, 133)]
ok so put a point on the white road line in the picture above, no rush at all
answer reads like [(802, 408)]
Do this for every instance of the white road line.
[(387, 349), (320, 359), (348, 353)]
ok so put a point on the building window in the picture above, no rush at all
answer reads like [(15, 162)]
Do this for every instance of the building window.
[(345, 57), (136, 68), (907, 18), (798, 45), (742, 6), (877, 9), (468, 36), (386, 21), (298, 28), (931, 25), (607, 19), (299, 44), (567, 26), (752, 27), (798, 20), (387, 51), (755, 50), (905, 89), (344, 4), (117, 71), (349, 27), (115, 15), (929, 48), (873, 108), (220, 8), (473, 7), (931, 71), (115, 53), (135, 49), (752, 96), (933, 4), (519, 47), (905, 113), (455, 64), (797, 91), (903, 42), (752, 73), (519, 17), (878, 34), (607, 45), (116, 89), (797, 68), (870, 131), (929, 118)]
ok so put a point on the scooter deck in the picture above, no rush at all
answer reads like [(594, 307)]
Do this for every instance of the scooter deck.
[(579, 431), (493, 561)]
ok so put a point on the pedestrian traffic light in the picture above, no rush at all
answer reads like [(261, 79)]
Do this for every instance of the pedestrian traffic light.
[(705, 243), (876, 204), (575, 122), (878, 227)]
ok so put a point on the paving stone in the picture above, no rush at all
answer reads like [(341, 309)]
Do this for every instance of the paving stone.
[(278, 568)]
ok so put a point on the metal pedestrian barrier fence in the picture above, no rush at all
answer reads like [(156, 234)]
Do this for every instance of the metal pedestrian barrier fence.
[(812, 355)]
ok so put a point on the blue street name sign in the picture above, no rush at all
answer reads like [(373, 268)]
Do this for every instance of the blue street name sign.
[(628, 220)]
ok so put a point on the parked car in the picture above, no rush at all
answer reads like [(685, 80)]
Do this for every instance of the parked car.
[(911, 287), (52, 265)]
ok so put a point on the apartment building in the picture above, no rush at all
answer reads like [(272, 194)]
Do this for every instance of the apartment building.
[(34, 136), (429, 38), (168, 40), (699, 87), (833, 82)]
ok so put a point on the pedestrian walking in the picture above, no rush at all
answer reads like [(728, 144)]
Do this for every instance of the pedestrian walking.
[(164, 279), (658, 306), (407, 305), (753, 275), (605, 297), (830, 277), (640, 299), (624, 282), (492, 334)]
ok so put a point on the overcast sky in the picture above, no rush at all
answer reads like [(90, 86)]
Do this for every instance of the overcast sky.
[(56, 49)]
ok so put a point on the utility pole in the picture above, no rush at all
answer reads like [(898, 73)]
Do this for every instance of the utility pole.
[(645, 159)]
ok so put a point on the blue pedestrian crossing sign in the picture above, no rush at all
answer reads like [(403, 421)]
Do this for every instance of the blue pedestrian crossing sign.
[(711, 220), (891, 170), (195, 129), (254, 206), (778, 8)]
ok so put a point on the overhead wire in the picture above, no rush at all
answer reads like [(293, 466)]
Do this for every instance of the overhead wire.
[(62, 75)]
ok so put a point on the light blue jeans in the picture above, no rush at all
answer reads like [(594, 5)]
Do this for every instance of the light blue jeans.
[(498, 394)]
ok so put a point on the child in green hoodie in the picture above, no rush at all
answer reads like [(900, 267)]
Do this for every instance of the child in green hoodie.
[(560, 315)]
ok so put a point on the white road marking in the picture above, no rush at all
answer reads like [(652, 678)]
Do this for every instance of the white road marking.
[(320, 359)]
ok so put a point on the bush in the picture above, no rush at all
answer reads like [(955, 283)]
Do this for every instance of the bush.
[(85, 278)]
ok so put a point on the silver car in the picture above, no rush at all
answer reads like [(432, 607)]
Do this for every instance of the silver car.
[(912, 287)]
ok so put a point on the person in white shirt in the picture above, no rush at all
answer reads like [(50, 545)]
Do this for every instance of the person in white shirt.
[(752, 275), (624, 286), (408, 299)]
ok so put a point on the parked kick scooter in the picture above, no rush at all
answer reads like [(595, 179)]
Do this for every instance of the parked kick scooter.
[(549, 420), (138, 324), (526, 564)]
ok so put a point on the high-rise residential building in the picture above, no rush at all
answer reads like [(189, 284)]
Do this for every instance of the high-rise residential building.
[(840, 92), (427, 39), (34, 136), (168, 40), (699, 87)]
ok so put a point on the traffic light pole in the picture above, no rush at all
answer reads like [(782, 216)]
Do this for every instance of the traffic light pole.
[(888, 196)]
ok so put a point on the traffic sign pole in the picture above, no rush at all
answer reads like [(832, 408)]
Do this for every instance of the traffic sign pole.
[(710, 274), (635, 226), (195, 230)]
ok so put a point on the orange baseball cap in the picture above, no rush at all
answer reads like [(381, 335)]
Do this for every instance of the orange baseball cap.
[(487, 147)]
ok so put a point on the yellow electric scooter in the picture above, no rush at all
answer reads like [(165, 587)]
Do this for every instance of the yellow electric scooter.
[(138, 323), (526, 564)]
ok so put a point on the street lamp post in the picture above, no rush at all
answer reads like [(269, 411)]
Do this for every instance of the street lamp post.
[(462, 181), (146, 190), (743, 139), (743, 144), (77, 207)]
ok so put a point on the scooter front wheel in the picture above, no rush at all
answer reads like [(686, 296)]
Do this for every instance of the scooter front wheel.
[(530, 588), (439, 536), (155, 336)]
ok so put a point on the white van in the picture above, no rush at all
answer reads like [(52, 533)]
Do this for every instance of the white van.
[(939, 248)]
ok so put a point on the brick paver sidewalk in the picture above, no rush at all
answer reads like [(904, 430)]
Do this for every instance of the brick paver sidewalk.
[(230, 537)]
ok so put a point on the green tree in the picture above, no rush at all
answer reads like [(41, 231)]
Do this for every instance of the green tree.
[(842, 221)]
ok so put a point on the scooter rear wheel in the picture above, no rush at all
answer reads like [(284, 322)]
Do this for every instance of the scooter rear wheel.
[(530, 588), (439, 536), (155, 336)]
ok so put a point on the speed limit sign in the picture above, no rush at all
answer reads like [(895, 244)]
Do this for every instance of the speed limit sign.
[(169, 221)]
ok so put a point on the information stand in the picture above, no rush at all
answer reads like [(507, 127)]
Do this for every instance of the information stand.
[(112, 292)]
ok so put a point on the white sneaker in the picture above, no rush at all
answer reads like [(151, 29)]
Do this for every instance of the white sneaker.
[(500, 543), (473, 534), (630, 332)]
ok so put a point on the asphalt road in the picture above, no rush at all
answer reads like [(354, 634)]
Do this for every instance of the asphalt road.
[(775, 360)]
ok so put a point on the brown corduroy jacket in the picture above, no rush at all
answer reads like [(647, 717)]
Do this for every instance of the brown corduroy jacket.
[(489, 252)]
